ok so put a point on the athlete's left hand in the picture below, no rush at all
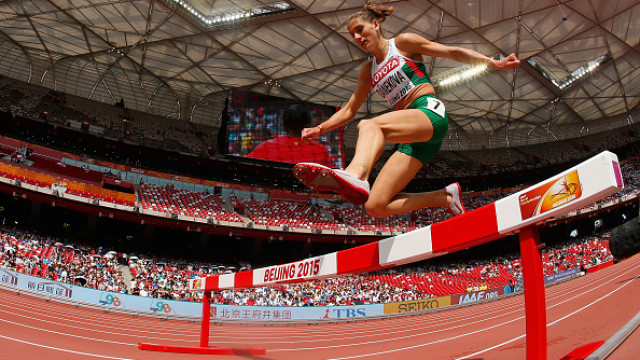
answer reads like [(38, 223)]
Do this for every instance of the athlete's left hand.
[(510, 62)]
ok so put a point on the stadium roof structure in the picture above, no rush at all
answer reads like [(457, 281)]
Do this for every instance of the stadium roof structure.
[(580, 72)]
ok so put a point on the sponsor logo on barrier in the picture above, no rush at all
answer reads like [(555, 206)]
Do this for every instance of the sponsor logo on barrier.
[(550, 195), (160, 307), (344, 313), (111, 300), (416, 305), (136, 170), (250, 314), (561, 276), (8, 278), (476, 296), (197, 284), (224, 312), (50, 287)]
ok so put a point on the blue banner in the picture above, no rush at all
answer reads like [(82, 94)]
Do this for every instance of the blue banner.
[(562, 276), (155, 306)]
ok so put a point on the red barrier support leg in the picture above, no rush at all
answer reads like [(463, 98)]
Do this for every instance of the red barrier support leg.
[(534, 296), (206, 319), (204, 339)]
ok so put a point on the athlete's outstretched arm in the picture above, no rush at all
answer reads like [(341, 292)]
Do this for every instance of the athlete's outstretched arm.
[(411, 44), (348, 112)]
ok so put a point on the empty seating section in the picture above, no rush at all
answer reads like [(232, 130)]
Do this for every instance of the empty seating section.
[(101, 197), (23, 179), (46, 170), (270, 213), (428, 216), (54, 167), (102, 114), (145, 128), (294, 214), (176, 134), (362, 221), (47, 166), (32, 94), (183, 202), (199, 135), (6, 148), (209, 134), (498, 159)]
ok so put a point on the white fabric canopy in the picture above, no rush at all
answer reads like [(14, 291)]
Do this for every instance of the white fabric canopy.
[(158, 58)]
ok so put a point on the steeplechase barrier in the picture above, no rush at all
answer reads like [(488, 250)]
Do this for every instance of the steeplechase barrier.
[(520, 213)]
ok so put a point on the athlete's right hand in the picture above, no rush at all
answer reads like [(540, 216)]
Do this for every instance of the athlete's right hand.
[(310, 133)]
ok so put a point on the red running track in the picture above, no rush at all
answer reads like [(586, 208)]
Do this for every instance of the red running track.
[(581, 311)]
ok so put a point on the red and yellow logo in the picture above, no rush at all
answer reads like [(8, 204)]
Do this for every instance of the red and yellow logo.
[(551, 195), (198, 283)]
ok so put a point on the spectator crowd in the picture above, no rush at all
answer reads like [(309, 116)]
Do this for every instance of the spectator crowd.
[(52, 258)]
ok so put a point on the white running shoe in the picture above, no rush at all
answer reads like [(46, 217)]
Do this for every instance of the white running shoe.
[(321, 178), (456, 208)]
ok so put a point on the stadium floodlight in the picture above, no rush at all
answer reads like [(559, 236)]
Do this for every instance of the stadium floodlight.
[(578, 74), (460, 75), (216, 19)]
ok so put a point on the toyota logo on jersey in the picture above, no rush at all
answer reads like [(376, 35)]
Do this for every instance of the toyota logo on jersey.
[(383, 71)]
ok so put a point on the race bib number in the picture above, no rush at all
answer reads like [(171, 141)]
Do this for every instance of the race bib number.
[(436, 106)]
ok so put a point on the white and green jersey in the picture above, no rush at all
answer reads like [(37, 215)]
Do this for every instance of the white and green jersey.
[(397, 75)]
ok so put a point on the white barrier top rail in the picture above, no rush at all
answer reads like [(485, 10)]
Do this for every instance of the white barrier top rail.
[(582, 185)]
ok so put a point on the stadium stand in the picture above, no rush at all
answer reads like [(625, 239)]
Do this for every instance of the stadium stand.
[(55, 259), (293, 214), (177, 201)]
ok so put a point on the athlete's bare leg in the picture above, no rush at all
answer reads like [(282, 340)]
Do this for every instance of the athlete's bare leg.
[(402, 126), (386, 199)]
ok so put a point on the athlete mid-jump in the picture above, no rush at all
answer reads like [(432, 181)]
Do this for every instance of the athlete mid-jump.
[(419, 124)]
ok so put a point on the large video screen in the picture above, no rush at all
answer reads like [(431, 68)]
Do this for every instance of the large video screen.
[(256, 119)]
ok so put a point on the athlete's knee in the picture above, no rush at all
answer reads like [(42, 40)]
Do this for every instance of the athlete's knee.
[(376, 208), (367, 123)]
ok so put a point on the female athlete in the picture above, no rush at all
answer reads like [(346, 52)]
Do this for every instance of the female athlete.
[(418, 124)]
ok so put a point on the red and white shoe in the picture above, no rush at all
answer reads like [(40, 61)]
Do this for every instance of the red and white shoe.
[(321, 178), (455, 208)]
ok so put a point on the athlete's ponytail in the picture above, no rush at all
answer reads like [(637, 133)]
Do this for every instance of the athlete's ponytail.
[(372, 12)]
